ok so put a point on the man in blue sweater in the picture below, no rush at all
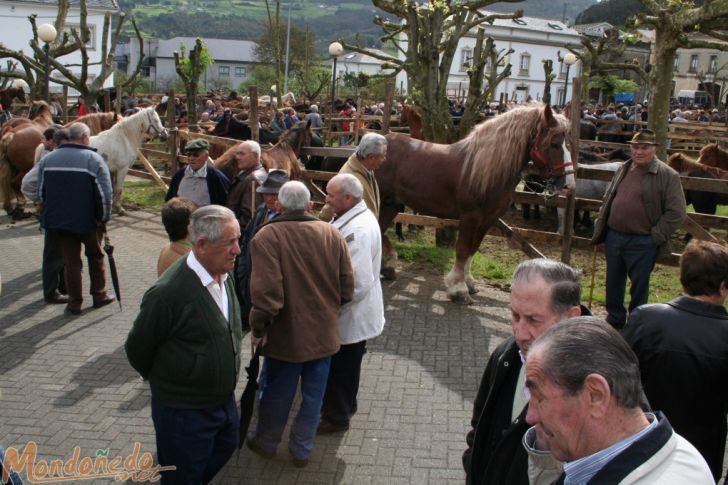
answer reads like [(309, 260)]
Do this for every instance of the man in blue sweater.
[(186, 343), (74, 186)]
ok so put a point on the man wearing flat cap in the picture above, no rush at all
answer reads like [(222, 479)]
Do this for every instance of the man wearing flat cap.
[(199, 181), (643, 206), (266, 211)]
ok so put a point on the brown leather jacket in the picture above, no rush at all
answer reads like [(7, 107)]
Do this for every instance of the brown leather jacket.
[(242, 198), (663, 198), (301, 276)]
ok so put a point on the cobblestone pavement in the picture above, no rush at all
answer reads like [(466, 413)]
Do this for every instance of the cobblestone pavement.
[(65, 381)]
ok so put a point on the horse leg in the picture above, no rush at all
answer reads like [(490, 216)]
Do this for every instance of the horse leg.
[(459, 282), (389, 254), (117, 183)]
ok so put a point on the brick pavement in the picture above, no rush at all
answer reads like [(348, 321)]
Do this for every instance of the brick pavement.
[(65, 381)]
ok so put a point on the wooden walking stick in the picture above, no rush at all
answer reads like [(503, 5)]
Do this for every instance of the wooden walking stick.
[(593, 273)]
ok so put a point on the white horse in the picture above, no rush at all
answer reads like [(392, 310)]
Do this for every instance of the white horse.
[(288, 99), (119, 144), (589, 188)]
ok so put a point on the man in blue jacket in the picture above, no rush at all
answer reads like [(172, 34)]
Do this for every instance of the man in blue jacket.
[(74, 187)]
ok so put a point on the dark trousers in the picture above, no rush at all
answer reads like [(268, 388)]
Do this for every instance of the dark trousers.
[(53, 277), (627, 255), (71, 248), (197, 441), (343, 384)]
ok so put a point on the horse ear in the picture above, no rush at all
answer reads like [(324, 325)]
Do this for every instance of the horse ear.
[(548, 116)]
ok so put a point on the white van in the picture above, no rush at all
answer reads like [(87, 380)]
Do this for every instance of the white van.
[(688, 97)]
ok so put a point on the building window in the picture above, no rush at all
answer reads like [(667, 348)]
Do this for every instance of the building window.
[(241, 71), (524, 65), (223, 71), (713, 66), (693, 63), (676, 64), (91, 44), (466, 59)]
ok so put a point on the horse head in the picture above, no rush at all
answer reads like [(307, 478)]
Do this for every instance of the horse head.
[(548, 149), (714, 156), (153, 123)]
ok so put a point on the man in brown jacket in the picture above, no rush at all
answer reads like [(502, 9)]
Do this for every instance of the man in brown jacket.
[(242, 198), (643, 206), (301, 276)]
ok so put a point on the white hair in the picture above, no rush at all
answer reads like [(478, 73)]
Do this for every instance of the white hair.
[(349, 184), (313, 108), (294, 196), (253, 145), (371, 144), (78, 130), (207, 222)]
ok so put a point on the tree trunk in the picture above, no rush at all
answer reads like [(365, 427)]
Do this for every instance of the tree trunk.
[(660, 90)]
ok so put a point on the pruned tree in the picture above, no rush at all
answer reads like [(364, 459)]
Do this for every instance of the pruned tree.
[(69, 40), (673, 22), (190, 69), (433, 30), (549, 76)]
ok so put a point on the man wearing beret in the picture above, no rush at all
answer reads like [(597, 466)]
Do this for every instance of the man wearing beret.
[(643, 206), (199, 181)]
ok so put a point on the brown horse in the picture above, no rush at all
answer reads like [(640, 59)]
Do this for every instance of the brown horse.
[(702, 201), (97, 122), (472, 180), (17, 155), (411, 118), (714, 156), (284, 155)]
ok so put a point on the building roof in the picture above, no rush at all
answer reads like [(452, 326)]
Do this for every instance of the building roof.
[(533, 23), (91, 4), (358, 58), (596, 29), (220, 49)]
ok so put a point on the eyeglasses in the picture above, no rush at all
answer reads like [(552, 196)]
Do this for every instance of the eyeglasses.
[(194, 154)]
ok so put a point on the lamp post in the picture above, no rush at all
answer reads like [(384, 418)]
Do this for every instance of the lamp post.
[(569, 60), (335, 49), (47, 34)]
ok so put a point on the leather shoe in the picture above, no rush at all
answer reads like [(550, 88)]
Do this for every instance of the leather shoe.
[(327, 427), (56, 298), (299, 462), (72, 311), (104, 302), (253, 445)]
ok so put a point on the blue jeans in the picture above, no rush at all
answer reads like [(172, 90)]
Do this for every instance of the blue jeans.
[(630, 255), (13, 478), (197, 441), (278, 383)]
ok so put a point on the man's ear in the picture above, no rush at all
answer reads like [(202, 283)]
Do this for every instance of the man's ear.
[(309, 207), (574, 311), (597, 393)]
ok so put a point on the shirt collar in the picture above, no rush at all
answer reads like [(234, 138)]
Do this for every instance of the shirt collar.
[(202, 172), (205, 278), (338, 221)]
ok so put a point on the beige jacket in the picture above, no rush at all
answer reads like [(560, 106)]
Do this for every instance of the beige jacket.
[(371, 189)]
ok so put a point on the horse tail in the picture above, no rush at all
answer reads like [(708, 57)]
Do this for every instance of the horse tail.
[(7, 171)]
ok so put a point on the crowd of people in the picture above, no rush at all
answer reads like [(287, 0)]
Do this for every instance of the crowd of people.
[(245, 255)]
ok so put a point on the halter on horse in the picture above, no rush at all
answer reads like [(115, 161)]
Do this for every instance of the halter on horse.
[(119, 144), (471, 180)]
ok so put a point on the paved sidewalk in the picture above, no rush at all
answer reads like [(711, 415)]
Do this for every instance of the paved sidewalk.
[(65, 381)]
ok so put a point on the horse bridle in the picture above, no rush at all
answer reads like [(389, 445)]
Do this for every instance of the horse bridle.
[(540, 160), (151, 124)]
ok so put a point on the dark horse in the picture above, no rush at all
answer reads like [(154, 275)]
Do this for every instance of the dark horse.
[(8, 94), (231, 127), (471, 180)]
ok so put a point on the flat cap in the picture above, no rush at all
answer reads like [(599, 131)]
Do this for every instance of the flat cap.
[(274, 182), (197, 145)]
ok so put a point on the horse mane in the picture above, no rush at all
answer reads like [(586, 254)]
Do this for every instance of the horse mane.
[(225, 162), (40, 109), (292, 138), (714, 156), (681, 163), (505, 140)]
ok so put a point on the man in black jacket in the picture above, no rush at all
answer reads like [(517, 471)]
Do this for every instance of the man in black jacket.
[(682, 348), (543, 292)]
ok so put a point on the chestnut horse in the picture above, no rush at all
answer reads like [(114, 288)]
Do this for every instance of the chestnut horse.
[(284, 154), (472, 180), (97, 122), (8, 94), (411, 118), (703, 202), (17, 154), (714, 156)]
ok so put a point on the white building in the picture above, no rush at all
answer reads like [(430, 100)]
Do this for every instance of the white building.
[(532, 40), (354, 62), (16, 30), (233, 61)]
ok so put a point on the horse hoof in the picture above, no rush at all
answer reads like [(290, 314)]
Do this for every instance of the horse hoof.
[(19, 215), (461, 299), (472, 290), (389, 274)]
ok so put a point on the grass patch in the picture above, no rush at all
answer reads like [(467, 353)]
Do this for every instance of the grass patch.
[(144, 194)]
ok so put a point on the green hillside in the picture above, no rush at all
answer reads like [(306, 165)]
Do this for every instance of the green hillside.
[(328, 19)]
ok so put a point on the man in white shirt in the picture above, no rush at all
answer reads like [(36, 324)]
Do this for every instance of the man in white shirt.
[(363, 317)]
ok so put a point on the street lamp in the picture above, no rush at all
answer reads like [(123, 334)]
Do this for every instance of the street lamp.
[(335, 49), (569, 60), (47, 34)]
